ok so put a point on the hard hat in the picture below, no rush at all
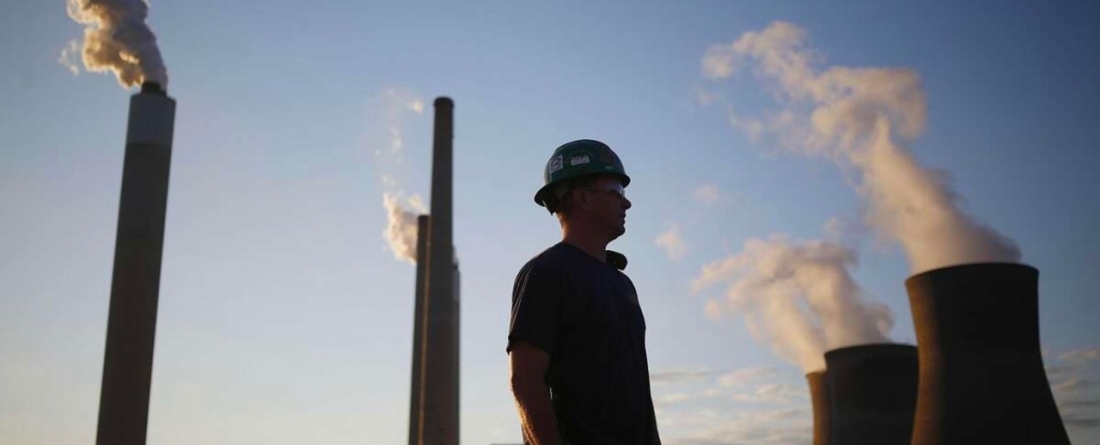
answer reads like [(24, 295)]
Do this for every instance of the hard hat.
[(583, 157)]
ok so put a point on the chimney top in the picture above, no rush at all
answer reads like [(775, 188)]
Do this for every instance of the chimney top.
[(150, 87)]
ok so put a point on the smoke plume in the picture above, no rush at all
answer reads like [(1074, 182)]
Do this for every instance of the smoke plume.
[(385, 138), (861, 117), (798, 297), (400, 233), (117, 39)]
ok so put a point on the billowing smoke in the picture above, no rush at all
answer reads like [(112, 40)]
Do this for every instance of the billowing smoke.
[(862, 117), (117, 39), (401, 231), (798, 297)]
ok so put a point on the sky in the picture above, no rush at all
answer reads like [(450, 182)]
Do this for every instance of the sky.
[(777, 151)]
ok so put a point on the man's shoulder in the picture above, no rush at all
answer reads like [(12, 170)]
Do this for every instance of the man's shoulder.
[(553, 257)]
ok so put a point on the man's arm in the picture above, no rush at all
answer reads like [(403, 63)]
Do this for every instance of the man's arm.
[(528, 366)]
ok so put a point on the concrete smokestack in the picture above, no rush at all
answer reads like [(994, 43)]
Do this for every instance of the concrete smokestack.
[(874, 391), (981, 372), (135, 284), (415, 414), (820, 401), (439, 398)]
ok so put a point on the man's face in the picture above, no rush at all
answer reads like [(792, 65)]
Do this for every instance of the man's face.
[(607, 205)]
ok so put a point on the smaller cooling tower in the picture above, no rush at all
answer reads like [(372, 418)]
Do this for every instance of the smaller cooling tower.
[(981, 373), (820, 401), (873, 390)]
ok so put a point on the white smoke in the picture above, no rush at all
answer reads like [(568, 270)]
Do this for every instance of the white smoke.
[(401, 230), (798, 297), (401, 214), (117, 39), (861, 117)]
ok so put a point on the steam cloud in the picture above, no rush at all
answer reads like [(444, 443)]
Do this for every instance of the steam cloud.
[(401, 233), (117, 39), (798, 297), (861, 117)]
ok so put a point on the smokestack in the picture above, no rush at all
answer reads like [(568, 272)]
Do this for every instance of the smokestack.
[(820, 401), (135, 284), (439, 398), (981, 372), (874, 391), (415, 413)]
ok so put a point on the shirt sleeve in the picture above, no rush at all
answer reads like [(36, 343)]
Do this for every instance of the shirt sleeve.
[(536, 307)]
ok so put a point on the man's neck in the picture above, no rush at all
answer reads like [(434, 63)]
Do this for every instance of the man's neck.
[(592, 245)]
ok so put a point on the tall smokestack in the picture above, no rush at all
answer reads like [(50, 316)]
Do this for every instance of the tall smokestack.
[(131, 324), (439, 399), (874, 391), (981, 372), (820, 401), (415, 413)]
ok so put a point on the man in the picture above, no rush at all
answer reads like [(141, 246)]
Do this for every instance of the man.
[(576, 344)]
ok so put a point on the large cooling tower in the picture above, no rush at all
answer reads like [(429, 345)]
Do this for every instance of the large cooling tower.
[(135, 283), (981, 373), (820, 402), (873, 390)]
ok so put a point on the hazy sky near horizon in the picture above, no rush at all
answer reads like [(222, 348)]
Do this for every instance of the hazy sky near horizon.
[(286, 316)]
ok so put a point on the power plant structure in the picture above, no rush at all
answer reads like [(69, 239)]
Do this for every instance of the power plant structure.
[(820, 403), (135, 280), (434, 398), (872, 392), (975, 376), (981, 371)]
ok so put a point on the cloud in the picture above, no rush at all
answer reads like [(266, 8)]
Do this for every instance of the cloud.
[(1080, 356), (1074, 383), (783, 426), (861, 117), (773, 393), (673, 243), (741, 376), (678, 377), (707, 195), (798, 297)]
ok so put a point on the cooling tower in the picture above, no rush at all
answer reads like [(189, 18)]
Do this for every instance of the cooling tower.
[(873, 390), (981, 373), (135, 283), (439, 397), (820, 401)]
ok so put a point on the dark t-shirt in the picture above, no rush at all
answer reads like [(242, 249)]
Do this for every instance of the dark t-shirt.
[(585, 314)]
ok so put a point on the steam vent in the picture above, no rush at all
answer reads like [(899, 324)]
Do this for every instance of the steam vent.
[(981, 373), (873, 392)]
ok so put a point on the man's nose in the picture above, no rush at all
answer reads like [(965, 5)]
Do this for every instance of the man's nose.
[(626, 203)]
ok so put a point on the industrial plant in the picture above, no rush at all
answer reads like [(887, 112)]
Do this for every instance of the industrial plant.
[(975, 376)]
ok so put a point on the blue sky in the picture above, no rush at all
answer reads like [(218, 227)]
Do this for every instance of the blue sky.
[(284, 315)]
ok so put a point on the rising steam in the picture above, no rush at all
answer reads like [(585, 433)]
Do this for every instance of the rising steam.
[(401, 214), (798, 297), (401, 233), (861, 117), (117, 39)]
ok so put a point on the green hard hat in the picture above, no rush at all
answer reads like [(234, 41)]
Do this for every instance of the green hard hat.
[(582, 157)]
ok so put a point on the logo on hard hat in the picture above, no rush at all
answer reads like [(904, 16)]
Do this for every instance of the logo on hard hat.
[(556, 164)]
